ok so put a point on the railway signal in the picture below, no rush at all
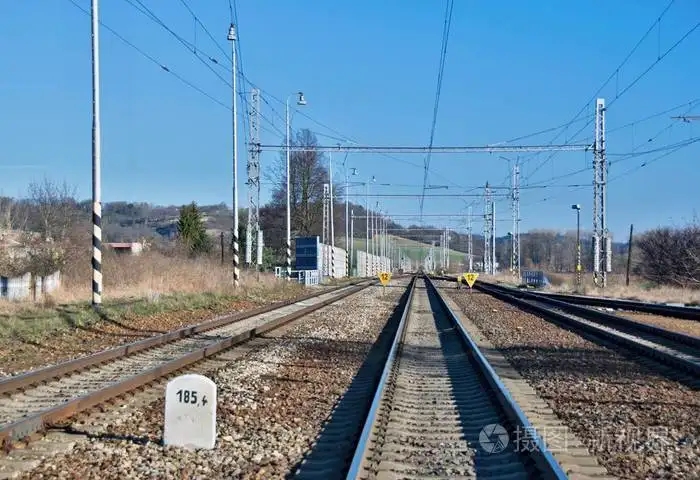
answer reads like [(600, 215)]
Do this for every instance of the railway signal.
[(470, 278), (384, 279)]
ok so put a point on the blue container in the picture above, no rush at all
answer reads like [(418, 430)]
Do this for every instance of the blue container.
[(307, 253)]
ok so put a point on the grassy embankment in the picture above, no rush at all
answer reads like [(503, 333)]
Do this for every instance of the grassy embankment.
[(139, 286), (412, 249)]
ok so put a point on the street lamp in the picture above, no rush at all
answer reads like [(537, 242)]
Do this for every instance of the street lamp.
[(375, 239), (367, 221), (300, 101), (350, 217), (347, 208), (512, 253), (577, 207)]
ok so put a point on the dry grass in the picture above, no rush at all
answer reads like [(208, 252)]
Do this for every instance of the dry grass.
[(616, 288), (138, 285), (150, 275)]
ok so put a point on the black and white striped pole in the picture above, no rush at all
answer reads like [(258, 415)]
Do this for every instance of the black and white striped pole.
[(288, 244), (96, 153), (236, 270)]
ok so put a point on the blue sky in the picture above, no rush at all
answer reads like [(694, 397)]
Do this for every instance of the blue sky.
[(368, 70)]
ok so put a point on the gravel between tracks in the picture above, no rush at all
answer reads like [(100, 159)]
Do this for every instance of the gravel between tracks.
[(18, 355), (689, 327), (271, 405), (639, 424)]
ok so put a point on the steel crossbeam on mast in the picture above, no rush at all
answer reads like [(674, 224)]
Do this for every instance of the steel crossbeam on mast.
[(448, 149)]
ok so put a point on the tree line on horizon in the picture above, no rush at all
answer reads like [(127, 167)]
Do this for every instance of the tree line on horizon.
[(665, 255)]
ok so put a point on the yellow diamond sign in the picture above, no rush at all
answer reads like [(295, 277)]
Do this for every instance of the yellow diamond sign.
[(385, 278), (470, 278)]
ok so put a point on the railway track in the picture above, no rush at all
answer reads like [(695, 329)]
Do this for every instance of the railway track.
[(36, 400), (440, 410), (665, 310), (674, 311), (678, 350)]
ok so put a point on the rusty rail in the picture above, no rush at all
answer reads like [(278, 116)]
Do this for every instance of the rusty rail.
[(40, 421), (34, 377)]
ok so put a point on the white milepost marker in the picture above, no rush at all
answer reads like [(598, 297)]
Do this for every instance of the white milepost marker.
[(190, 412)]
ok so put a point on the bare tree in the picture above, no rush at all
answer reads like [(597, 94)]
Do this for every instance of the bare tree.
[(13, 214), (307, 176), (6, 213), (55, 208), (671, 256)]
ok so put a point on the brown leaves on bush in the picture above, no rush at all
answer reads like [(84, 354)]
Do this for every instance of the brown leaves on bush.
[(671, 256), (32, 255)]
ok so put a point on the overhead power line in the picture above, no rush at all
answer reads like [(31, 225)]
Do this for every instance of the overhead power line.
[(656, 62), (341, 136), (192, 48), (438, 89), (418, 195), (183, 80), (189, 46), (690, 105), (635, 153), (152, 59), (630, 171), (615, 73), (211, 37), (541, 132)]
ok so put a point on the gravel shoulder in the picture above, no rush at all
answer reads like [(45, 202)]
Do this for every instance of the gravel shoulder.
[(638, 423), (21, 353), (272, 403), (689, 327)]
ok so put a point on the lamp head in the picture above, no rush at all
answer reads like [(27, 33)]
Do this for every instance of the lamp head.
[(354, 171), (576, 206), (301, 100)]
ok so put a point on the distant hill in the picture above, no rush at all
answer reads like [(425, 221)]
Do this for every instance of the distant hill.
[(548, 249), (412, 249), (124, 222)]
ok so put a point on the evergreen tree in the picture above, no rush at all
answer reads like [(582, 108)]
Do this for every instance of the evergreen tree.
[(191, 232)]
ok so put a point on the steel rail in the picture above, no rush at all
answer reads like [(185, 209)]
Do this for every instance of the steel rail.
[(39, 421), (542, 457), (597, 328), (358, 457), (675, 311), (34, 377), (604, 317)]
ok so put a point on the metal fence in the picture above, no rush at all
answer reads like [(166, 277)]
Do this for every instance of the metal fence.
[(307, 277), (535, 278), (333, 261), (17, 288), (371, 265)]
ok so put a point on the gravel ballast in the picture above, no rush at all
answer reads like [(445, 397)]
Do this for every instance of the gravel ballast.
[(271, 404), (19, 354), (689, 327), (638, 423)]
